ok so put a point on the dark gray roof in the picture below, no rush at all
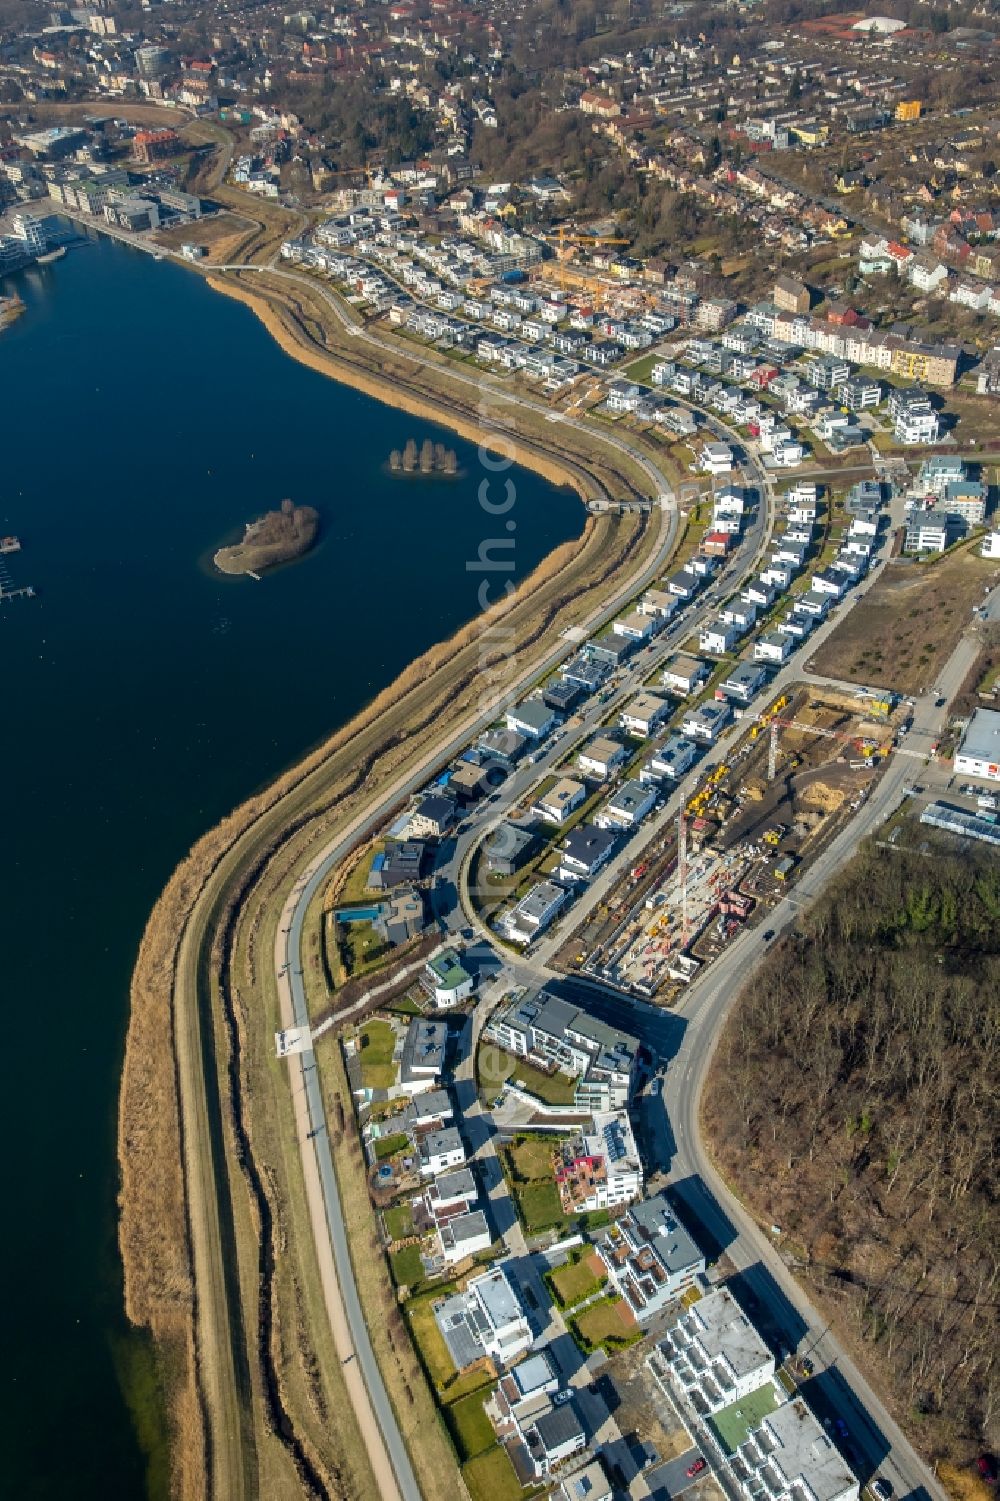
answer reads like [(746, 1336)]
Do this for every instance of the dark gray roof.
[(558, 1427), (588, 843)]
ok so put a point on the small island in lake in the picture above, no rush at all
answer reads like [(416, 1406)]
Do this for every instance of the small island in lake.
[(430, 458), (278, 537), (10, 308)]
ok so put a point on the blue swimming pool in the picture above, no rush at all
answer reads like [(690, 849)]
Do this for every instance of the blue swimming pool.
[(357, 914)]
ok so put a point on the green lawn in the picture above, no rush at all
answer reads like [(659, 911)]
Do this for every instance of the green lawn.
[(355, 889), (602, 1326), (641, 370), (399, 1221), (532, 1156), (491, 1477), (428, 1339), (388, 1146), (540, 1205), (375, 1049), (363, 946), (496, 1067), (575, 1281), (407, 1268), (733, 1423), (469, 1426)]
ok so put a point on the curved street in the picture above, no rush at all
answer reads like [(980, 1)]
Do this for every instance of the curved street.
[(702, 1012)]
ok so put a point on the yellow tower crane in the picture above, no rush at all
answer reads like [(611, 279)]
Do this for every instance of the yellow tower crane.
[(565, 243)]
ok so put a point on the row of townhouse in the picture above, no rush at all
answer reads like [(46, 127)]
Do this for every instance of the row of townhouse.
[(804, 392), (626, 806), (898, 350)]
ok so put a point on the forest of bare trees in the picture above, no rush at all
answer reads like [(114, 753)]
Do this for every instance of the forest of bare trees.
[(854, 1101)]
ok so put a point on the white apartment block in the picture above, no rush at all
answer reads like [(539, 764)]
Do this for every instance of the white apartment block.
[(713, 1354), (790, 1458)]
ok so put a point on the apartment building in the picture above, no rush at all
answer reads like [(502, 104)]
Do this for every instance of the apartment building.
[(713, 1354), (649, 1257), (552, 1032), (599, 1168), (789, 1456)]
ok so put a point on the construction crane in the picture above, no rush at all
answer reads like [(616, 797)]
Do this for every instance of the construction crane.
[(564, 241), (776, 724)]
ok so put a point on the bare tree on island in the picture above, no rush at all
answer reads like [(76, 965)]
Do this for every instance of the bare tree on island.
[(430, 458)]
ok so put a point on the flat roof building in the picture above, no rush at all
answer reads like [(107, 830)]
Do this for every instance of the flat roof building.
[(649, 1256), (600, 1168), (535, 911), (714, 1354), (979, 753), (446, 979), (487, 1319), (556, 805), (789, 1457), (545, 1028)]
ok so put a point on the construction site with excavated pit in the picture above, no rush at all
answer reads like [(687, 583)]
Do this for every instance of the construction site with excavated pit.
[(747, 829)]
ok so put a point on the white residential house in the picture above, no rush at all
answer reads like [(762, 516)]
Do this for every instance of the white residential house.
[(532, 718), (684, 675), (796, 625), (718, 637), (602, 756), (464, 1235), (745, 680), (706, 723), (927, 274), (554, 1437), (642, 714), (486, 1319), (774, 647), (626, 807), (589, 1484), (670, 761), (659, 603), (717, 458), (991, 545), (536, 910), (635, 627), (740, 614), (439, 1151), (787, 452), (815, 603), (759, 592), (556, 805), (829, 582), (447, 980), (586, 849)]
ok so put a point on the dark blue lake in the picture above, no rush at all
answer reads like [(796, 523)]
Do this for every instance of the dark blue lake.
[(144, 419)]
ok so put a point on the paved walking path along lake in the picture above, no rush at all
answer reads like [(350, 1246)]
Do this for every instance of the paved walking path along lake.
[(146, 419)]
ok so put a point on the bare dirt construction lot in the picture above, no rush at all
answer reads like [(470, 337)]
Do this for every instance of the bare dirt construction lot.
[(220, 235), (907, 626)]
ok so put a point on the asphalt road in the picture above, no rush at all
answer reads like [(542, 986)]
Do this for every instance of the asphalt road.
[(366, 1388), (703, 1011)]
